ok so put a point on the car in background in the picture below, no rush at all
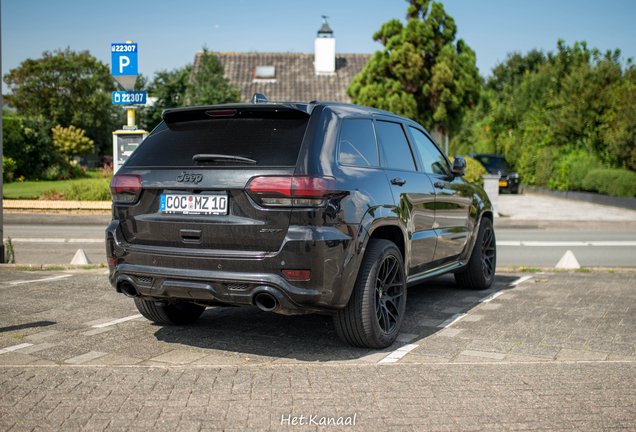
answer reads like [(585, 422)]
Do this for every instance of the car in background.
[(497, 164), (294, 208)]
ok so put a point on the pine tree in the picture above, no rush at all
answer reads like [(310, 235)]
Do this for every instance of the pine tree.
[(421, 73)]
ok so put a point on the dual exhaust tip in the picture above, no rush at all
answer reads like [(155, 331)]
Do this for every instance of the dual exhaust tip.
[(264, 300)]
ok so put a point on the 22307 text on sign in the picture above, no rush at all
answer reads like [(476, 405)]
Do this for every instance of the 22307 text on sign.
[(127, 98), (124, 48)]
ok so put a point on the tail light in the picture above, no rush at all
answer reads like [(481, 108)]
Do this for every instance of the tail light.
[(125, 189), (297, 191)]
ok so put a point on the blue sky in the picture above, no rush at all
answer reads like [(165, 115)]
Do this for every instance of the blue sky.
[(169, 32)]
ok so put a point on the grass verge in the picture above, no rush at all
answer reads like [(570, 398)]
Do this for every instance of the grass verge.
[(32, 190)]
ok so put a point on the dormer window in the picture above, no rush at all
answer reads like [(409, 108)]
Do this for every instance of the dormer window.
[(265, 73)]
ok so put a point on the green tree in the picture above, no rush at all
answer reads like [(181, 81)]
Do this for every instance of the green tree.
[(170, 90), (207, 85), (559, 116), (67, 88), (71, 141), (28, 142), (422, 73)]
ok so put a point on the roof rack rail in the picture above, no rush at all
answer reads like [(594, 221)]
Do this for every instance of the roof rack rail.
[(258, 98)]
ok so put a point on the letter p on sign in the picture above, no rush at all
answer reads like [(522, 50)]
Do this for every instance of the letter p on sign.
[(123, 62)]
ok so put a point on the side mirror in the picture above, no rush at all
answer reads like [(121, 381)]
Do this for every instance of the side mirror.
[(459, 166)]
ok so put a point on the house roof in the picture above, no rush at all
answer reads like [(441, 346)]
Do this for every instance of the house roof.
[(295, 79)]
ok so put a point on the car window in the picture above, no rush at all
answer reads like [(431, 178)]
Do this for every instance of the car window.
[(396, 147), (357, 143), (494, 162), (271, 139), (433, 161)]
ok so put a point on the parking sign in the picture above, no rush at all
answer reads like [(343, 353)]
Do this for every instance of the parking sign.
[(124, 59)]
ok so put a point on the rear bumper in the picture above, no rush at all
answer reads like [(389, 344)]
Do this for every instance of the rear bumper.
[(217, 278)]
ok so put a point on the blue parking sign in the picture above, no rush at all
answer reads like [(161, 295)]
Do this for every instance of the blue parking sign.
[(124, 59)]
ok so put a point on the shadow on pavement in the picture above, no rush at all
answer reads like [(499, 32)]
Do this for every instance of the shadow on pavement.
[(251, 332), (26, 326)]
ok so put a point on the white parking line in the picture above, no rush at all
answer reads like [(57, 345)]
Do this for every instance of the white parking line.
[(38, 280), (398, 354), (564, 243), (56, 240), (85, 357), (37, 240), (14, 347), (117, 321), (521, 279), (491, 297), (451, 320)]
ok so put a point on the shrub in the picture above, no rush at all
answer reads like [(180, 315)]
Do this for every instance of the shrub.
[(64, 170), (8, 166), (71, 141), (611, 181), (571, 169), (474, 172), (53, 195), (90, 190), (28, 142), (543, 170)]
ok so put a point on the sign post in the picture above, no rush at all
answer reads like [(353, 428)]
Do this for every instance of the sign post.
[(124, 66)]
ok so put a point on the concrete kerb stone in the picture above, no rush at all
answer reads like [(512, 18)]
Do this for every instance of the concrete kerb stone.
[(56, 207), (499, 270), (60, 267)]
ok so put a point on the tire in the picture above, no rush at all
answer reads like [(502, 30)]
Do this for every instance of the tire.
[(172, 314), (479, 273), (375, 312)]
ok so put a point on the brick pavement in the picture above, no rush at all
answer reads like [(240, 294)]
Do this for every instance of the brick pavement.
[(554, 352), (522, 396)]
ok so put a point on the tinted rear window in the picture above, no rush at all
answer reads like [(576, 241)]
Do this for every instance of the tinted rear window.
[(396, 147), (271, 139), (357, 143)]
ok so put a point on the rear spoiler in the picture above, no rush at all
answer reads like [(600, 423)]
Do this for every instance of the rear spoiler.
[(258, 104)]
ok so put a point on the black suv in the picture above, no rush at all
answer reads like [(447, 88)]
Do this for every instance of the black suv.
[(497, 164), (294, 208)]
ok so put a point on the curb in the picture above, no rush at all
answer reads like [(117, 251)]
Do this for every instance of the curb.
[(53, 267), (43, 206), (537, 270), (590, 197), (508, 269)]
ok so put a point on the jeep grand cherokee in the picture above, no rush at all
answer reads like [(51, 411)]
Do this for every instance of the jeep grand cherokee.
[(294, 208)]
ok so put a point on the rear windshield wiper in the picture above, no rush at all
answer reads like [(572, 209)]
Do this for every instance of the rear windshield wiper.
[(200, 158)]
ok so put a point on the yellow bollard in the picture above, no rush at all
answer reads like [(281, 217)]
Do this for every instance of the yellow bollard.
[(131, 116)]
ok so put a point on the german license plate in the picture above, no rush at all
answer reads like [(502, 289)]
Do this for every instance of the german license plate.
[(194, 204), (503, 183)]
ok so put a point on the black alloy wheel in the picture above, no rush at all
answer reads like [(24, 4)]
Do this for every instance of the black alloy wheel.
[(479, 273), (374, 314), (389, 290), (488, 252)]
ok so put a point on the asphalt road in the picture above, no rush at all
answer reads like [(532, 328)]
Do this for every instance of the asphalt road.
[(39, 240), (538, 248)]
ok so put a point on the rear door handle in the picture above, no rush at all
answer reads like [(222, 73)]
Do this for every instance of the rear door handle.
[(398, 181), (440, 185)]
